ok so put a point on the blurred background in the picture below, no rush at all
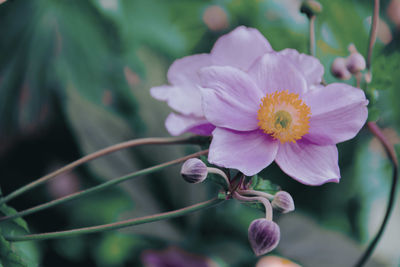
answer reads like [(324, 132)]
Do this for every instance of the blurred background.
[(75, 77)]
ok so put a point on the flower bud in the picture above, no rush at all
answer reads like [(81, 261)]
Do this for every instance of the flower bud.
[(393, 12), (194, 171), (355, 63), (339, 69), (311, 8), (264, 236), (283, 202)]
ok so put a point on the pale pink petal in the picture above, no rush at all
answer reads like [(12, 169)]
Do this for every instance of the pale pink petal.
[(230, 98), (240, 48), (184, 71), (178, 124), (274, 73), (160, 92), (185, 99), (249, 152), (183, 94), (308, 65), (338, 112), (308, 163)]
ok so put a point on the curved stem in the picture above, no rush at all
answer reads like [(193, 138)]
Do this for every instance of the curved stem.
[(256, 193), (312, 36), (392, 196), (100, 153), (117, 225), (100, 187), (263, 200), (220, 173)]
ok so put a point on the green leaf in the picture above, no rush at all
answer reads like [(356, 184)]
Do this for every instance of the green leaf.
[(260, 184), (385, 68), (16, 254), (264, 185)]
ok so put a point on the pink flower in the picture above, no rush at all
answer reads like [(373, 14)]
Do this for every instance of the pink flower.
[(276, 110), (183, 93)]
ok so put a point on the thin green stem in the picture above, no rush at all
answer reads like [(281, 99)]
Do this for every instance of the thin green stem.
[(117, 225), (100, 153), (100, 187), (373, 127)]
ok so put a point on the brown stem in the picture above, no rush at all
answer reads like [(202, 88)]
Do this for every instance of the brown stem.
[(376, 131)]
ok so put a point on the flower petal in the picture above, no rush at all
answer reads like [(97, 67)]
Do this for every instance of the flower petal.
[(338, 112), (240, 48), (178, 124), (230, 98), (249, 152), (184, 71), (308, 163), (273, 72), (160, 92), (185, 99), (183, 95), (310, 66)]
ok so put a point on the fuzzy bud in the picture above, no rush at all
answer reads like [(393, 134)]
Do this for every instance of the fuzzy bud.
[(311, 8), (264, 236), (355, 63), (283, 202), (194, 171), (339, 69)]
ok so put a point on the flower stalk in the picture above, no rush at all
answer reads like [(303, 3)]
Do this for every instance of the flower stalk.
[(117, 225), (263, 200), (220, 173), (373, 33), (376, 131), (256, 193), (312, 35), (100, 153), (100, 187), (374, 128)]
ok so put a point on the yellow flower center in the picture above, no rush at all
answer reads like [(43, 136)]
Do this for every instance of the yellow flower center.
[(284, 116)]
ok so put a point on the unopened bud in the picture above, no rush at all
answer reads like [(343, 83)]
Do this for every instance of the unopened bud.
[(355, 63), (283, 202), (264, 236), (311, 8), (194, 171), (339, 69), (393, 12)]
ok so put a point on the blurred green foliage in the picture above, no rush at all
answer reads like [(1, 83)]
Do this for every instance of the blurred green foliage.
[(16, 254), (75, 77)]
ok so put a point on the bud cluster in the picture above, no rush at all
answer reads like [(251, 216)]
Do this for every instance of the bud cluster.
[(264, 234), (344, 68)]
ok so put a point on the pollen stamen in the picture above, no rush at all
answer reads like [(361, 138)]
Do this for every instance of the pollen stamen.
[(284, 116)]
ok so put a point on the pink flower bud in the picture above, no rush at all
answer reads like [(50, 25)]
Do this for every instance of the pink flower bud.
[(194, 171), (215, 18), (355, 63), (264, 236), (339, 69), (393, 12), (311, 8), (283, 202)]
